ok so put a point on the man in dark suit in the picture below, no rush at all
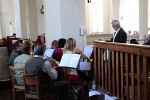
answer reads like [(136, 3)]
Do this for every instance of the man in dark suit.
[(120, 35)]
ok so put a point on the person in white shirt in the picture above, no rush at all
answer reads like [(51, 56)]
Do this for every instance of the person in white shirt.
[(120, 35), (21, 60)]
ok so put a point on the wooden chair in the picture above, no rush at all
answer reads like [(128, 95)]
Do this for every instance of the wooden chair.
[(77, 84), (34, 80), (15, 86)]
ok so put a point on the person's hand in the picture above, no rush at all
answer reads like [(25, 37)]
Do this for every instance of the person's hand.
[(53, 64)]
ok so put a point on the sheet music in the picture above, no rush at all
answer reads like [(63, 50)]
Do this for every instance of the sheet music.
[(13, 41), (91, 93), (49, 52), (107, 97), (69, 60), (85, 66), (88, 51)]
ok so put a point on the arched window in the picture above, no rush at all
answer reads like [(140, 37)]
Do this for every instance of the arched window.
[(96, 16), (129, 15)]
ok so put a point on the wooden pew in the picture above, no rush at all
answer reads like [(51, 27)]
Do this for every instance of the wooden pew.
[(122, 69)]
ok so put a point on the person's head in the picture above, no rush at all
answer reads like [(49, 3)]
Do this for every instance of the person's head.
[(14, 35), (54, 44), (148, 36), (39, 50), (27, 47), (115, 24), (132, 40), (18, 45), (70, 44), (61, 43), (40, 38)]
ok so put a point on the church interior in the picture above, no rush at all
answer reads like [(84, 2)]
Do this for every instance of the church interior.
[(118, 69)]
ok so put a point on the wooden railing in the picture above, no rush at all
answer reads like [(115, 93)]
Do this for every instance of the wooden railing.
[(122, 69)]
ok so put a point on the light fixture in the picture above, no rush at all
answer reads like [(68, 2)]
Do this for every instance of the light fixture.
[(89, 1), (42, 9)]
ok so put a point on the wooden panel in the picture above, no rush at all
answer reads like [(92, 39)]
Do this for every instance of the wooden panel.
[(127, 76), (138, 78), (99, 67), (109, 72), (117, 74), (145, 79), (106, 75), (102, 66), (95, 61), (113, 73), (122, 76), (132, 77)]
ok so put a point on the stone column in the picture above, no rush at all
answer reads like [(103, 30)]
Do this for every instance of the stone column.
[(106, 16), (32, 21), (116, 7), (143, 19), (20, 18)]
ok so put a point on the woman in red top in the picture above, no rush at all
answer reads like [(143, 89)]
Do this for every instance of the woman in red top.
[(40, 41)]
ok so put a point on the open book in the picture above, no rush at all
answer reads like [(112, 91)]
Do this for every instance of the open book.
[(88, 51), (69, 60), (49, 52)]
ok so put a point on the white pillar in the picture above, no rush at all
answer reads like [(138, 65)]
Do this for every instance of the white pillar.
[(63, 19), (5, 18), (52, 21), (20, 18), (32, 20), (0, 31), (116, 7), (106, 16), (41, 17), (143, 19)]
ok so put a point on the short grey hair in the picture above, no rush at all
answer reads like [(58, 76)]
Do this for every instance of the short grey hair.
[(39, 50), (115, 22)]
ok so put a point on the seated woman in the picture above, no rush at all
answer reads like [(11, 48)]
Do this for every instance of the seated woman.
[(59, 52), (57, 55), (40, 41), (73, 74)]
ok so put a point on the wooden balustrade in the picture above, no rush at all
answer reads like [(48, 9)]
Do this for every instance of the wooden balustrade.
[(123, 69)]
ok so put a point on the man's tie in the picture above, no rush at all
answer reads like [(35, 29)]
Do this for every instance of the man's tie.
[(114, 33)]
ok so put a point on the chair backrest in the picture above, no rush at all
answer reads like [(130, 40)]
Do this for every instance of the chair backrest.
[(32, 80), (14, 76)]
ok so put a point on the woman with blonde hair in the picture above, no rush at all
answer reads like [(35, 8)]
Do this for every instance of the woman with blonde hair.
[(70, 46), (73, 74)]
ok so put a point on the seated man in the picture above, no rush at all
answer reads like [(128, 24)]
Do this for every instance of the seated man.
[(21, 59), (16, 52), (47, 72)]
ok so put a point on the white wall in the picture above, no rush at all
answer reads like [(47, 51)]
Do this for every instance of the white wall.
[(63, 19), (32, 20), (4, 18), (52, 21), (72, 18), (12, 17), (41, 17)]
